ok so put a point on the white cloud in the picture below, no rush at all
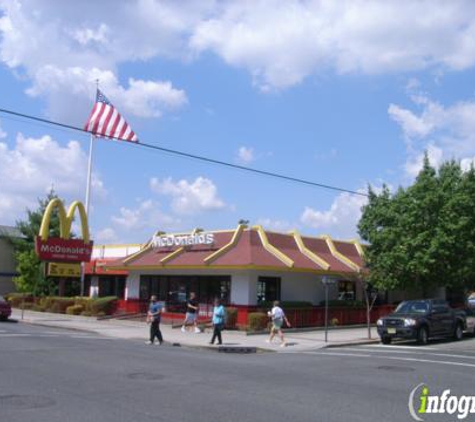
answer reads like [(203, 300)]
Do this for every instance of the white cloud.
[(107, 235), (64, 49), (246, 155), (446, 132), (281, 43), (340, 220), (278, 43), (34, 166), (146, 215), (189, 197)]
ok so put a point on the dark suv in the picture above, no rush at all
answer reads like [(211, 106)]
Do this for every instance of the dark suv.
[(421, 319)]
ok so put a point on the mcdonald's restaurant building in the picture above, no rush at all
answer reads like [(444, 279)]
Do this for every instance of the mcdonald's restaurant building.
[(241, 266)]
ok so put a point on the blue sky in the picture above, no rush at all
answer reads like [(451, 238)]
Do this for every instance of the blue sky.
[(345, 93)]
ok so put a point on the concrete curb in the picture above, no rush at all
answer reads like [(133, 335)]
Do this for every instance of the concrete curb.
[(350, 343)]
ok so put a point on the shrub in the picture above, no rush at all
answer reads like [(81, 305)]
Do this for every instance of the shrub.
[(231, 317), (257, 321), (102, 306), (16, 299), (35, 307), (60, 304), (74, 309)]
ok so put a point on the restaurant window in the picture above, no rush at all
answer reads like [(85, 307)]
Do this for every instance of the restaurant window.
[(112, 286), (346, 290), (268, 289)]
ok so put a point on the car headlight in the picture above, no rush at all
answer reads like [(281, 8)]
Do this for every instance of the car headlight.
[(379, 322), (409, 322)]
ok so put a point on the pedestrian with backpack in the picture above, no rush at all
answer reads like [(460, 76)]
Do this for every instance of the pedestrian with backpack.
[(219, 319)]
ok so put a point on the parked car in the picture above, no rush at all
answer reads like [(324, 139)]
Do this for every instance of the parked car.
[(471, 299), (5, 309), (421, 320), (470, 317)]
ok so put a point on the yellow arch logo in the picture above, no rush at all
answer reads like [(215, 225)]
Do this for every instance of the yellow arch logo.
[(65, 220)]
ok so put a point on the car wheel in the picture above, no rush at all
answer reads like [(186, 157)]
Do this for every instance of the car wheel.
[(422, 335), (3, 318), (458, 333), (386, 340)]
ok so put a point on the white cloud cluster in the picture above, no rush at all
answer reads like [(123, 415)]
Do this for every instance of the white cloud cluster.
[(63, 48), (146, 215), (340, 220), (281, 43), (278, 43), (445, 132), (34, 166), (189, 198)]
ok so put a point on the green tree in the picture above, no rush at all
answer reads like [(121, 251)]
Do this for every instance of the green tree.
[(31, 269), (423, 236)]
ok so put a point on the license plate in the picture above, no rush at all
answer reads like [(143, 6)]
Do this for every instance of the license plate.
[(391, 331)]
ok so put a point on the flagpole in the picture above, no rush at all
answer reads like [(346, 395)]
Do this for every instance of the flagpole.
[(88, 195)]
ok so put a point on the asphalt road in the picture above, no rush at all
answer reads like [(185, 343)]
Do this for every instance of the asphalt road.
[(59, 375)]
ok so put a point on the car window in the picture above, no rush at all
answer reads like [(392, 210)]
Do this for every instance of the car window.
[(415, 307)]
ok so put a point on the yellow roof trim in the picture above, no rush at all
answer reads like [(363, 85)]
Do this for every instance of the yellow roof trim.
[(272, 249), (177, 252), (307, 252), (172, 255), (216, 268), (338, 255), (358, 247), (138, 253), (234, 240)]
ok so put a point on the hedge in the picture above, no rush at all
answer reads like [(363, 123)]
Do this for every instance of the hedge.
[(16, 299), (75, 309), (257, 321)]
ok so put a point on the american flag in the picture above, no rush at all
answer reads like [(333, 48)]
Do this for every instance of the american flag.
[(106, 121)]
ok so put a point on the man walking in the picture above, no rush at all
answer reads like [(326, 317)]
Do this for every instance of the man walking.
[(278, 317), (153, 317), (191, 316)]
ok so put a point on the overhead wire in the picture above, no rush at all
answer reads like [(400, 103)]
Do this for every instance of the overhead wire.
[(187, 154)]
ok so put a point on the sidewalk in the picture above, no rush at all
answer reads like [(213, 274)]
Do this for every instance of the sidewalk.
[(133, 330)]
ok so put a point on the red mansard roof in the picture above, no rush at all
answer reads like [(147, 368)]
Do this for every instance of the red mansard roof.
[(250, 248)]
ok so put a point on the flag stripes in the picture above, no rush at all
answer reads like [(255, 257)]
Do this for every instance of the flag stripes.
[(106, 121)]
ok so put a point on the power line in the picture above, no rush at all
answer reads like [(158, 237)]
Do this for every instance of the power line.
[(189, 155)]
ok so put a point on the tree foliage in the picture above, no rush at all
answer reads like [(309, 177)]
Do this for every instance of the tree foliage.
[(31, 269), (423, 236)]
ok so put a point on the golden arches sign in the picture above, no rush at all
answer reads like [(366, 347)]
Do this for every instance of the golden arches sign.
[(63, 248)]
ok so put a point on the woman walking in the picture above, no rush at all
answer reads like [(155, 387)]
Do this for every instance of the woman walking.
[(219, 317)]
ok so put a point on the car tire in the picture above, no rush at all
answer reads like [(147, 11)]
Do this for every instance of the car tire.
[(423, 336), (386, 340), (458, 333)]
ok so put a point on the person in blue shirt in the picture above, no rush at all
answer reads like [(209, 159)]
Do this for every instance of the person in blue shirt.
[(219, 318), (153, 317)]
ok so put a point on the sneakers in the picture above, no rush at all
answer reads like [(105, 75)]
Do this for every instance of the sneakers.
[(183, 329), (159, 343), (149, 342), (284, 344), (197, 330)]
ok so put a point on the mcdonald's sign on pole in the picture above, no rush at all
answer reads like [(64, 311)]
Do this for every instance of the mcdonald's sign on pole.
[(64, 249)]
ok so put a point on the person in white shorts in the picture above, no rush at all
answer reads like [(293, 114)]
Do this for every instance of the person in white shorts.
[(191, 316), (278, 317)]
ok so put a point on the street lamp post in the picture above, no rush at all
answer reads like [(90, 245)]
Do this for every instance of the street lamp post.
[(327, 282)]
